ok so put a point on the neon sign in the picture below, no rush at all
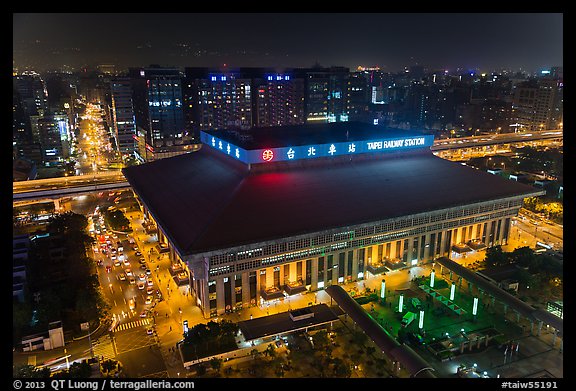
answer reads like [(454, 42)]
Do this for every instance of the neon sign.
[(267, 155), (312, 151)]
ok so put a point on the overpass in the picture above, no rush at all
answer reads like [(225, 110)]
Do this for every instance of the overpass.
[(54, 188), (495, 139), (71, 191)]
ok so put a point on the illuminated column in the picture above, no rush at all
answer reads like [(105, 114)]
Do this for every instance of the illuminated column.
[(442, 235), (427, 254), (246, 288), (292, 272), (487, 233), (269, 277), (259, 286), (354, 264), (457, 235), (475, 307), (383, 290), (400, 249), (452, 291), (57, 205), (232, 291), (375, 257), (401, 303), (432, 279), (421, 320), (314, 271), (393, 249), (500, 237), (220, 303), (409, 256)]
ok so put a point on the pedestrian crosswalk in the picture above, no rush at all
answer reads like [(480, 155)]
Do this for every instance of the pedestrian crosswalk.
[(129, 325), (103, 349)]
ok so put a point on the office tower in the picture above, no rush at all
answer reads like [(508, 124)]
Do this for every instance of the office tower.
[(54, 137), (165, 105), (326, 94), (357, 96), (124, 122), (158, 104)]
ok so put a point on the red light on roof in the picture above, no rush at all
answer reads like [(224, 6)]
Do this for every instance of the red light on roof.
[(267, 155)]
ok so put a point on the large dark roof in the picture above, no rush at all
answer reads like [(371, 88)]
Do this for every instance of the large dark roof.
[(322, 133), (205, 202), (282, 323)]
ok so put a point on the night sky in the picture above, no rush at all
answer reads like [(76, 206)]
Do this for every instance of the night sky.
[(489, 41)]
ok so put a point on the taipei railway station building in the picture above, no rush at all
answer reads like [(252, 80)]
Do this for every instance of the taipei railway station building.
[(262, 214)]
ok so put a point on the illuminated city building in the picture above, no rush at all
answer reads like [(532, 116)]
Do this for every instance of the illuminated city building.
[(261, 215), (536, 105), (54, 137), (123, 115), (217, 99), (279, 100), (158, 104), (326, 96)]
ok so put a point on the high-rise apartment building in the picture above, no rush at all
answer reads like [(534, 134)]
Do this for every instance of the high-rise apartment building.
[(33, 93), (219, 99), (534, 105), (279, 100)]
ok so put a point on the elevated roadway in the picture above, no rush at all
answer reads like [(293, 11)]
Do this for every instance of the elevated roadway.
[(53, 188)]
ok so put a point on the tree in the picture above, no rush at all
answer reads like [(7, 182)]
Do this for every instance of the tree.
[(30, 371), (496, 257), (118, 221), (340, 368), (255, 353), (321, 340), (78, 370), (200, 369), (110, 368), (216, 363)]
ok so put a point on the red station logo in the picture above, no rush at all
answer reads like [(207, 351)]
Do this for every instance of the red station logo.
[(267, 155)]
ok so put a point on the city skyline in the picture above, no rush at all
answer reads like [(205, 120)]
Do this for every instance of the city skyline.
[(483, 41)]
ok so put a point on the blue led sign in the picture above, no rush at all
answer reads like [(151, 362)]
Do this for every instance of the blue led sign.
[(266, 155)]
